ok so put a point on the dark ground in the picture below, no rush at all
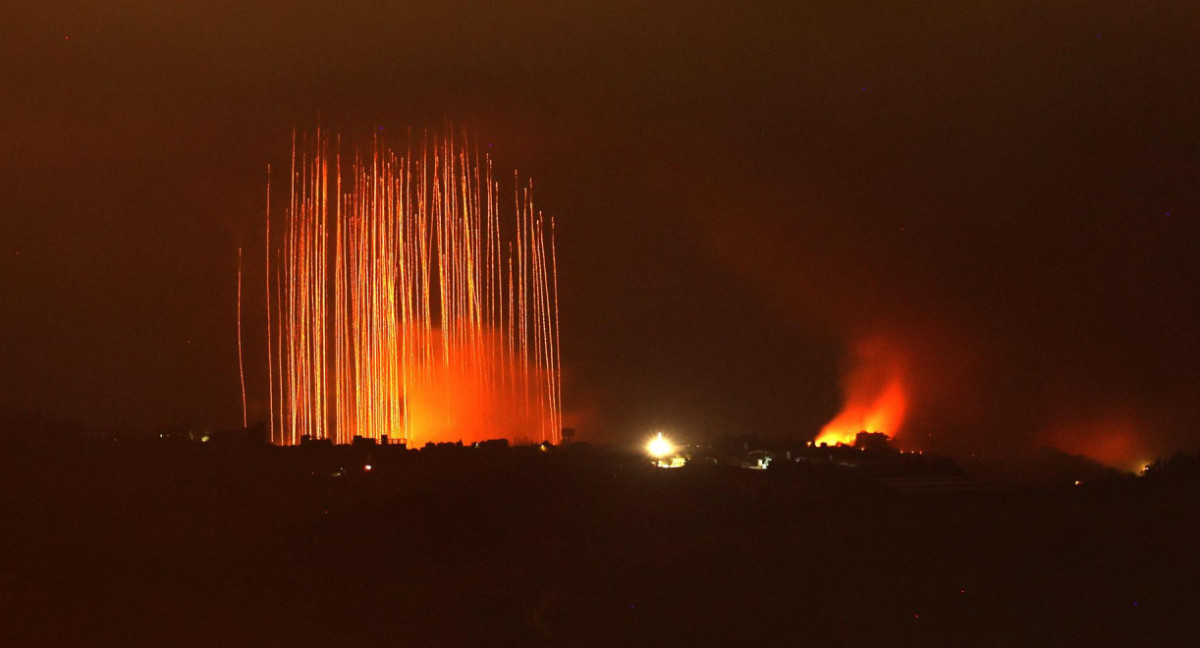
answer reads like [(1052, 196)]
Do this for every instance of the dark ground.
[(182, 544)]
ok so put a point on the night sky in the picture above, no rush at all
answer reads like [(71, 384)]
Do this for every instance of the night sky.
[(1003, 195)]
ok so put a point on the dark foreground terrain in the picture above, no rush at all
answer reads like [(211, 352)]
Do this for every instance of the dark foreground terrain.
[(126, 544)]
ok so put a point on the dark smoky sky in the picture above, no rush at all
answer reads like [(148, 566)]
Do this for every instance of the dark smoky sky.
[(1006, 192)]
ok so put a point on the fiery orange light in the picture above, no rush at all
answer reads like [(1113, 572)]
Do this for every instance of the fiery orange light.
[(876, 397), (408, 305), (1111, 438)]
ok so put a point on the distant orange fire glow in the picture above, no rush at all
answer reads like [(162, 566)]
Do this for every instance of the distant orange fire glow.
[(1113, 440), (876, 398)]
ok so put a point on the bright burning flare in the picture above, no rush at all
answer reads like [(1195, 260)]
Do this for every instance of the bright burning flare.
[(876, 396), (660, 446)]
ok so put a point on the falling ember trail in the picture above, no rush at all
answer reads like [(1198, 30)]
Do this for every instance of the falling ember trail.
[(241, 366), (876, 397), (391, 319), (270, 365)]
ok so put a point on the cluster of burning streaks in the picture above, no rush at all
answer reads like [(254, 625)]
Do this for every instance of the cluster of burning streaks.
[(405, 305)]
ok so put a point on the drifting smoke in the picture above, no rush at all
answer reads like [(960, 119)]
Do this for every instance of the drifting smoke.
[(958, 373), (408, 303), (876, 397)]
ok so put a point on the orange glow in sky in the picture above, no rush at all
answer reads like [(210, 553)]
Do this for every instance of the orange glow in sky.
[(1114, 440)]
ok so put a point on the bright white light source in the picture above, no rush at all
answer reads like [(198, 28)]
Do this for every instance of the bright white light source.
[(659, 446), (367, 467)]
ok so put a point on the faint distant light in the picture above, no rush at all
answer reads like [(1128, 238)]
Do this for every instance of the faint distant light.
[(1077, 482), (367, 467)]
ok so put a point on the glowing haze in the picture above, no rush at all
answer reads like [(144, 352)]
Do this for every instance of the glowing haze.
[(875, 395), (410, 298)]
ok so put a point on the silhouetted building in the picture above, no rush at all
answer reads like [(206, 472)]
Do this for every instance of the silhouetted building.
[(872, 441)]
